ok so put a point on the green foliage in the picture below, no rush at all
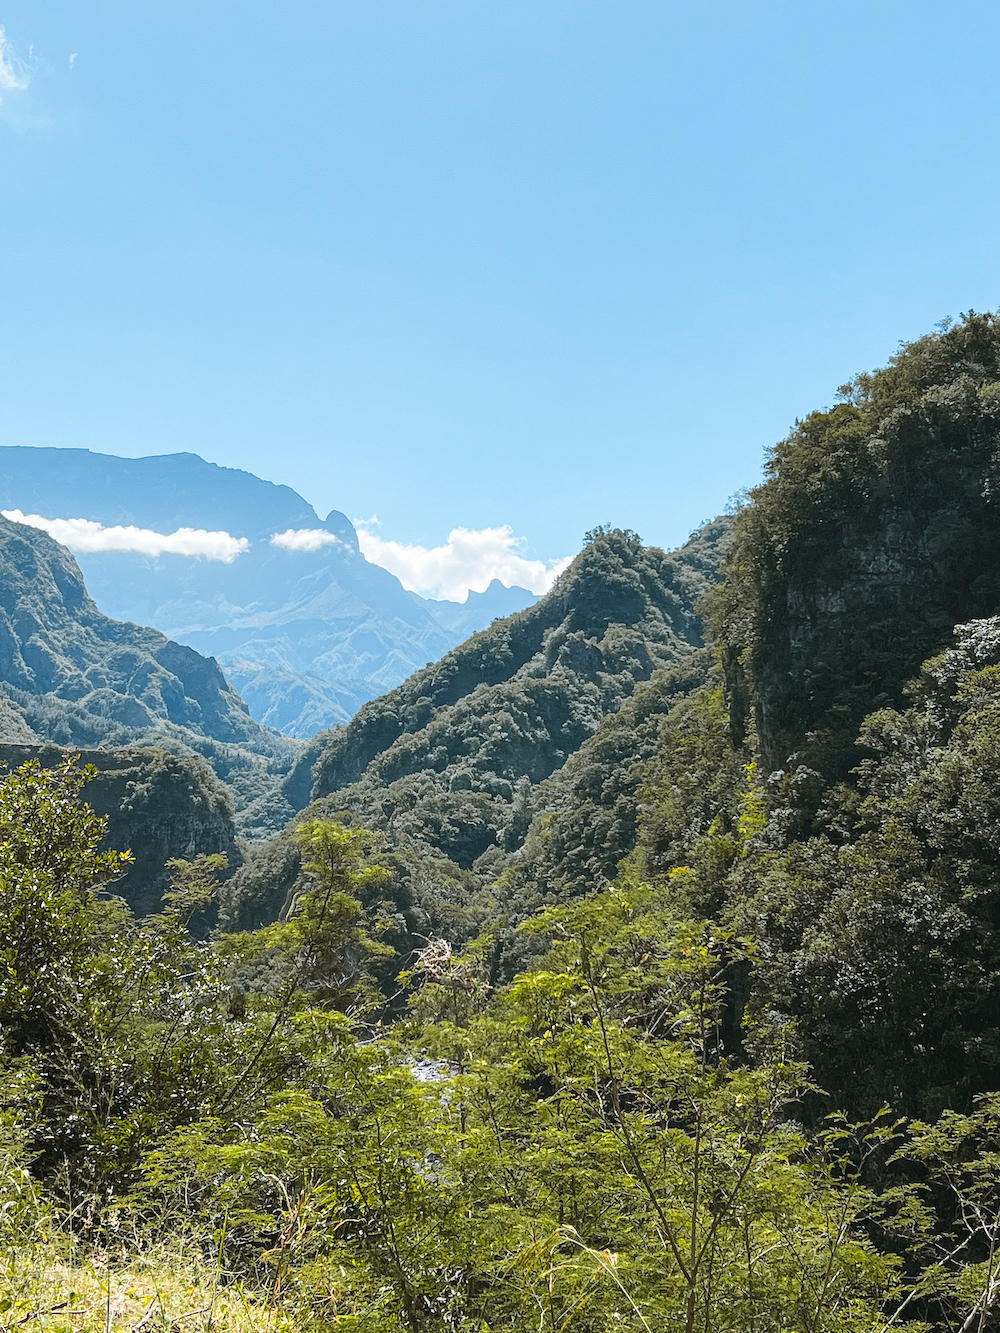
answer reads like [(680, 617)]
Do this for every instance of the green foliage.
[(135, 1029), (879, 933), (50, 869), (962, 1162), (588, 812), (583, 1148), (875, 531), (573, 1152), (696, 802), (327, 926), (555, 1046)]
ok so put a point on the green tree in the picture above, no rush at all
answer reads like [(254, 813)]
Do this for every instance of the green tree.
[(52, 869), (580, 1155)]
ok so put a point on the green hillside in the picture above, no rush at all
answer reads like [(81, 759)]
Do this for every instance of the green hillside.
[(634, 967), (73, 679), (57, 648), (448, 764)]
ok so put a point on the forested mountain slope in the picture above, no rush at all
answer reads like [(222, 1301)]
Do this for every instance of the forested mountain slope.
[(857, 843), (880, 934), (876, 531), (572, 634), (56, 645), (158, 806), (72, 676), (447, 765)]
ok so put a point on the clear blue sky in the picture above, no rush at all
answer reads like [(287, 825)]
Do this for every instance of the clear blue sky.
[(537, 263)]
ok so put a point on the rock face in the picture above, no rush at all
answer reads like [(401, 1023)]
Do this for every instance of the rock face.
[(877, 531), (160, 806)]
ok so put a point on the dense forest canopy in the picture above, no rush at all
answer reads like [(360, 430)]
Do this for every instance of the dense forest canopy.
[(634, 967), (876, 531)]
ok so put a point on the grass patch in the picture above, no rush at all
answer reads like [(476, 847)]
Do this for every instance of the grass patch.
[(62, 1289)]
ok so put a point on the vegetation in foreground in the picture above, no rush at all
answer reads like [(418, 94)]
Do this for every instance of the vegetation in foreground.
[(227, 1126)]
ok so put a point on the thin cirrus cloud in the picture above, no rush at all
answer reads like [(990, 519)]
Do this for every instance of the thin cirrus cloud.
[(14, 77), (468, 562), (89, 538)]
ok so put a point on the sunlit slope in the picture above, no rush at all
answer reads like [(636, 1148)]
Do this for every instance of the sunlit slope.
[(530, 689), (447, 766), (72, 676)]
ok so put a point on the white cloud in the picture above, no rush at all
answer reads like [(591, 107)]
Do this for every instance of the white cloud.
[(81, 534), (72, 60), (14, 78), (468, 562), (304, 539)]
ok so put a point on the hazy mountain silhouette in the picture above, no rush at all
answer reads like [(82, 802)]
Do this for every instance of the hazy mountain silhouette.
[(325, 615)]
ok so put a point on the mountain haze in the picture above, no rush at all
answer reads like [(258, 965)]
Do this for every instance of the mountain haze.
[(293, 617)]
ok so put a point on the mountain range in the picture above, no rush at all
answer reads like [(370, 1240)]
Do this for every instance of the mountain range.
[(447, 763), (787, 730), (654, 928), (310, 635)]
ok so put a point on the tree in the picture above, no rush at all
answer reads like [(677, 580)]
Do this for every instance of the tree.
[(51, 871)]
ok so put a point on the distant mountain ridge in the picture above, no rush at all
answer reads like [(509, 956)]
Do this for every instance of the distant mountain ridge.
[(297, 617), (480, 609), (164, 492)]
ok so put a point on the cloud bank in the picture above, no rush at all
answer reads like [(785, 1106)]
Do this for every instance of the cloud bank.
[(304, 539), (468, 562), (13, 76), (80, 534)]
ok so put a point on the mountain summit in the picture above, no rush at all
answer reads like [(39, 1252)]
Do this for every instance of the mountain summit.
[(448, 765)]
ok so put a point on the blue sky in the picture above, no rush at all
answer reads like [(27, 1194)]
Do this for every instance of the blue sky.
[(544, 265)]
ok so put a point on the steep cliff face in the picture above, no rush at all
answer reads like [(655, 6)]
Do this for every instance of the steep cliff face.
[(160, 806), (876, 531)]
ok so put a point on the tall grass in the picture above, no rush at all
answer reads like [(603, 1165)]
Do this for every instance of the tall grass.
[(52, 1280), (71, 1289)]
